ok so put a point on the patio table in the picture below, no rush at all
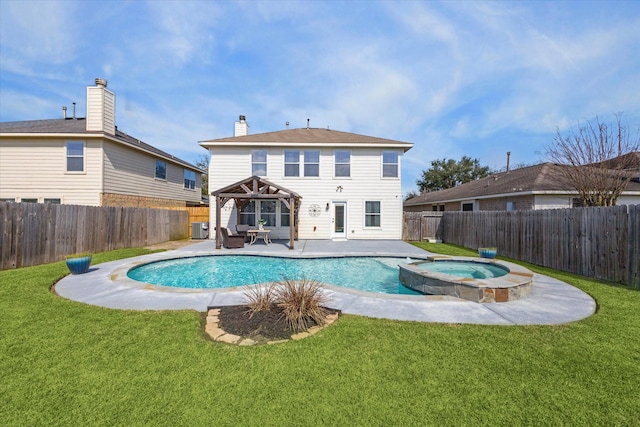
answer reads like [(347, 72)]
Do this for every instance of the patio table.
[(254, 234)]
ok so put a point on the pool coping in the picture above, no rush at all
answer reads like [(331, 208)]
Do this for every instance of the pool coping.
[(550, 301)]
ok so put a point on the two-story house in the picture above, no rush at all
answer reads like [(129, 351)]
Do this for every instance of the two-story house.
[(88, 161), (346, 186)]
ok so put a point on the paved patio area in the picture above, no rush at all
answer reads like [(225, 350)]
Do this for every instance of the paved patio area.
[(550, 301)]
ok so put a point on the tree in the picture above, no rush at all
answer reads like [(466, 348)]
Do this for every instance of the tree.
[(203, 163), (599, 159), (449, 173)]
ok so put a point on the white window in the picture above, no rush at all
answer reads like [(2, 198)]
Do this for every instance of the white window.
[(312, 163), (390, 164), (284, 215), (28, 200), (75, 156), (259, 162), (372, 214), (342, 163), (268, 212), (189, 179), (291, 163), (161, 169), (248, 214)]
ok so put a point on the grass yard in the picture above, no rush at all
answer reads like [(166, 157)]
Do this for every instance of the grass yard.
[(71, 364)]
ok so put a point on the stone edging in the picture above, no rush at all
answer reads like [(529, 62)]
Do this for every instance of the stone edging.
[(212, 328)]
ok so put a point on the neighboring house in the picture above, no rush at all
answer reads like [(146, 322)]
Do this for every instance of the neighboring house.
[(535, 187), (88, 161), (343, 185)]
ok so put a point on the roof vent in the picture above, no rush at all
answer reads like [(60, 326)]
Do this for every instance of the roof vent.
[(64, 112), (101, 82), (308, 120)]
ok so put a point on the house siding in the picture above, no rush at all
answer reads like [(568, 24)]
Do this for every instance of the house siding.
[(232, 164), (131, 172), (36, 168)]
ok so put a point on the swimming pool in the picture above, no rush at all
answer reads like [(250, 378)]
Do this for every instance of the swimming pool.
[(369, 274)]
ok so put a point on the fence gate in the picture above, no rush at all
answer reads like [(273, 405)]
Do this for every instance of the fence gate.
[(418, 226)]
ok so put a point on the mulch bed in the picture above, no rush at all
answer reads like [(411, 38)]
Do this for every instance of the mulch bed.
[(267, 324)]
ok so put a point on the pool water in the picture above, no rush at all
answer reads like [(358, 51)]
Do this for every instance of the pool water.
[(470, 270), (370, 274)]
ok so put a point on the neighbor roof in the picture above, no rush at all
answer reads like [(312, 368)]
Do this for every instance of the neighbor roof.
[(540, 179), (310, 136), (71, 126)]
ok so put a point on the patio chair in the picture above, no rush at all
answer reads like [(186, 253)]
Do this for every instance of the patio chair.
[(242, 229), (231, 241)]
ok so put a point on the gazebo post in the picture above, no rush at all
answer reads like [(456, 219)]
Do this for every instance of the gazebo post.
[(218, 223), (292, 208)]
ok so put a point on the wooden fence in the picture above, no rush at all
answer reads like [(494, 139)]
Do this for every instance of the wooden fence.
[(603, 243), (39, 233), (196, 214), (420, 226)]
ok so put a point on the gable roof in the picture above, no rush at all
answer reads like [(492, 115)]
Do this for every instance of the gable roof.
[(538, 179), (309, 136), (71, 126)]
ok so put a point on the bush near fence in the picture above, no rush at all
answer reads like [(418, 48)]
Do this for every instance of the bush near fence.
[(597, 242), (39, 233)]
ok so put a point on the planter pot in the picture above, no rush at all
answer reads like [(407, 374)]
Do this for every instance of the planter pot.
[(79, 265), (488, 252), (260, 227)]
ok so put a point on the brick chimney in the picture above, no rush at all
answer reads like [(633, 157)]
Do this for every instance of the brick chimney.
[(242, 127), (101, 108)]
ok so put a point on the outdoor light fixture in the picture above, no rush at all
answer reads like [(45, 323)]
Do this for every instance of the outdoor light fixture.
[(327, 208)]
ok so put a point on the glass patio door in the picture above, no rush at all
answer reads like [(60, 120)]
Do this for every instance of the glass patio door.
[(339, 221)]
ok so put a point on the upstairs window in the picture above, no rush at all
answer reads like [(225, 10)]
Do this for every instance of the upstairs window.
[(161, 169), (259, 162), (312, 163), (389, 164), (372, 214), (189, 179), (342, 163), (291, 163), (75, 156)]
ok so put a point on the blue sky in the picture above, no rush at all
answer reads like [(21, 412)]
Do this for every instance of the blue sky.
[(455, 77)]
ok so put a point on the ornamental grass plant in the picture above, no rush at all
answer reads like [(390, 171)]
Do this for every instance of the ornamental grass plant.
[(301, 302)]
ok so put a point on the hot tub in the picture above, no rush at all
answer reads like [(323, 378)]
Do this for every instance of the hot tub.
[(474, 279)]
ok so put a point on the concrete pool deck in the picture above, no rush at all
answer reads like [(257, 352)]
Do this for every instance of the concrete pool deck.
[(549, 302)]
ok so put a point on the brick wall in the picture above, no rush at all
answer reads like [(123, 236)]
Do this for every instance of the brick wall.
[(111, 199), (500, 203)]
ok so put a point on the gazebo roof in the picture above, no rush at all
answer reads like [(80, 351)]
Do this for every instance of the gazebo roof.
[(255, 187)]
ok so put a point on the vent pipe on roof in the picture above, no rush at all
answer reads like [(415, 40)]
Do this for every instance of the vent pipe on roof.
[(287, 125), (508, 158), (74, 111), (101, 82), (308, 123), (64, 112)]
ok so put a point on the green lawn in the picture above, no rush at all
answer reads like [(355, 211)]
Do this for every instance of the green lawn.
[(67, 363)]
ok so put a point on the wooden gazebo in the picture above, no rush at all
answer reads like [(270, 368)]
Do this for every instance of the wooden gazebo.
[(256, 188)]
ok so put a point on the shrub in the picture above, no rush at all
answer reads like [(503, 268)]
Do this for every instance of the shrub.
[(301, 303), (260, 298)]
